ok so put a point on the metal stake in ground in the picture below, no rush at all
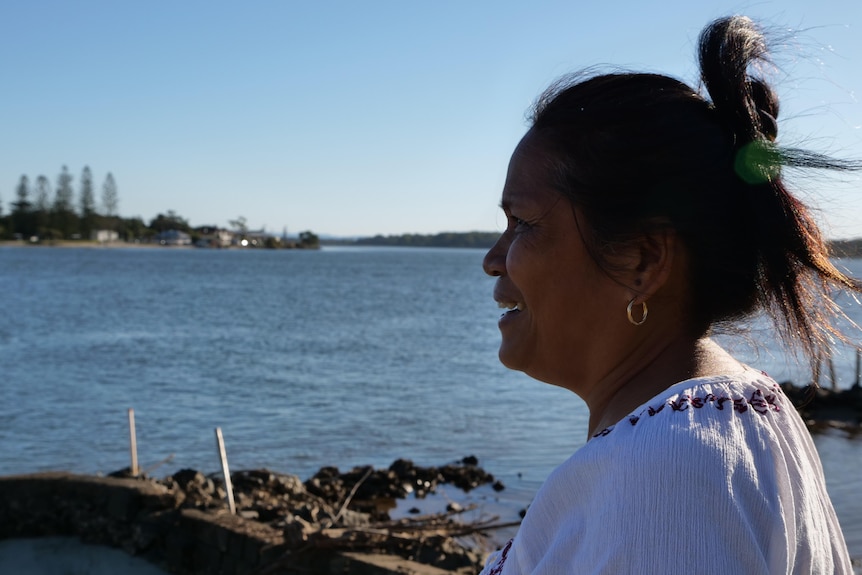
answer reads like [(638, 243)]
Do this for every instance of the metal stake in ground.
[(858, 366), (228, 486), (133, 443)]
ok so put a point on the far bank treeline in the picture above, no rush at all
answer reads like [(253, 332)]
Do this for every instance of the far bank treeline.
[(441, 240), (42, 213)]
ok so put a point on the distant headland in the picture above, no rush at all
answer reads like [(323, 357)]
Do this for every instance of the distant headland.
[(846, 248), (442, 240)]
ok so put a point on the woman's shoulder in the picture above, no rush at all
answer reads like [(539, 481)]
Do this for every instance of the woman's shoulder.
[(727, 420)]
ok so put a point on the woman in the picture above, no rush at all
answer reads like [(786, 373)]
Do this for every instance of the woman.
[(641, 215)]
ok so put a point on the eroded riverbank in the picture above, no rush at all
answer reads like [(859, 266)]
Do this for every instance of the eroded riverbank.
[(332, 523)]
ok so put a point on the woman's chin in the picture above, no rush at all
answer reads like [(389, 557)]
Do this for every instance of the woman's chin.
[(511, 357)]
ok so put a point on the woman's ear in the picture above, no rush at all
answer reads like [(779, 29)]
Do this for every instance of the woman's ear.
[(651, 264)]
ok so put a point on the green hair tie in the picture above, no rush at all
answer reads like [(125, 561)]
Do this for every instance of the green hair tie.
[(757, 162)]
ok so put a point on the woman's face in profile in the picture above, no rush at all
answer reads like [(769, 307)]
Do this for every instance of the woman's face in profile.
[(559, 301)]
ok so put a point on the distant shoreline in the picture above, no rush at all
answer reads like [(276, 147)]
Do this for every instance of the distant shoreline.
[(484, 240), (84, 244)]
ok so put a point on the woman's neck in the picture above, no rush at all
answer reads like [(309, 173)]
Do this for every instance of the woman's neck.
[(651, 370)]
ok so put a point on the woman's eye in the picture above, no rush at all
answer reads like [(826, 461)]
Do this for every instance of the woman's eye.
[(516, 224)]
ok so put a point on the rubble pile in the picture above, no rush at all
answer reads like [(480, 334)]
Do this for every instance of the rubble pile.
[(347, 511), (824, 408)]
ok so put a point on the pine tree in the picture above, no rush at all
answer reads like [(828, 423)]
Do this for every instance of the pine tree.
[(43, 205), (43, 194), (23, 204), (64, 196), (109, 196), (87, 203), (21, 217), (63, 215)]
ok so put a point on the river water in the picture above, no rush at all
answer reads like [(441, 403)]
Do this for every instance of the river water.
[(344, 356)]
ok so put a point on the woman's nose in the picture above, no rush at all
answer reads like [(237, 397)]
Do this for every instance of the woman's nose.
[(494, 263)]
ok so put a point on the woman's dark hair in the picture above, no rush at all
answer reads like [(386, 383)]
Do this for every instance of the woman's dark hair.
[(641, 152)]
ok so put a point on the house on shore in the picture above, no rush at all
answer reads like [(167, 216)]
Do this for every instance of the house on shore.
[(104, 236), (173, 238), (213, 237)]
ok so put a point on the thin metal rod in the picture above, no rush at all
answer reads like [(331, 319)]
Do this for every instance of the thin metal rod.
[(858, 365), (228, 486), (133, 443)]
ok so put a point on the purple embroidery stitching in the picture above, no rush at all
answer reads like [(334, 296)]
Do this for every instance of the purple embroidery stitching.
[(652, 411), (758, 402), (498, 568)]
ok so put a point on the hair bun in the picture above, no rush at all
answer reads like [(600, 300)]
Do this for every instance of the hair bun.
[(747, 105), (766, 104)]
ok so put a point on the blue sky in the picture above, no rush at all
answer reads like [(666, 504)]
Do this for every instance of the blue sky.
[(357, 118)]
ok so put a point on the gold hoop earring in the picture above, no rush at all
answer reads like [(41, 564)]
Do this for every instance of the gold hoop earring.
[(629, 313)]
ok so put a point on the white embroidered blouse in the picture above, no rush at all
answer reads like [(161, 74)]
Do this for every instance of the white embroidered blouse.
[(715, 475)]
